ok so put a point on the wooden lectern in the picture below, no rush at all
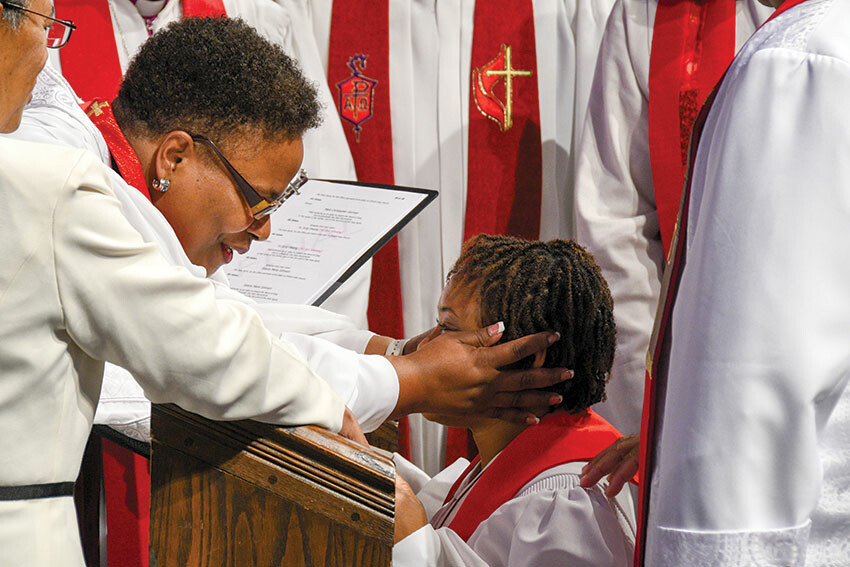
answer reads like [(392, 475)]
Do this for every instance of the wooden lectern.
[(249, 494)]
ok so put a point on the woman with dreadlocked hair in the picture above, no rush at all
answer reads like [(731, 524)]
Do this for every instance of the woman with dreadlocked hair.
[(519, 503)]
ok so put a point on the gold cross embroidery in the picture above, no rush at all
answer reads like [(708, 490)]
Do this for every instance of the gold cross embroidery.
[(508, 73), (95, 109)]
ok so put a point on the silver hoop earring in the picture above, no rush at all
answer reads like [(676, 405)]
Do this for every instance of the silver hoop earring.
[(161, 184)]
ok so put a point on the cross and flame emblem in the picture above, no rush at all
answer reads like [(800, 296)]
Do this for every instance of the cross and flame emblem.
[(484, 81)]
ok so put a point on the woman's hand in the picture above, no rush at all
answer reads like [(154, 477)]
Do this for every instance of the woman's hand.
[(351, 429), (457, 373), (409, 512), (619, 461)]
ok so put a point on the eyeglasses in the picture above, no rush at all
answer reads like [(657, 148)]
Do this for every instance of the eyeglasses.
[(259, 206), (59, 31)]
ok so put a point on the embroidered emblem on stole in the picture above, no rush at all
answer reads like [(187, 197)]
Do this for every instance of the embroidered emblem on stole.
[(356, 94), (484, 81)]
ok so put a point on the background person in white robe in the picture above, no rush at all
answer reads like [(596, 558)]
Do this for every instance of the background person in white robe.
[(757, 410), (615, 208), (543, 516), (430, 47), (326, 153)]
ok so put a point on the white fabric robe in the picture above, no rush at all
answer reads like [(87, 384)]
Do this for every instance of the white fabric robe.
[(368, 384), (430, 50), (551, 521), (326, 153), (753, 465), (78, 285), (614, 197)]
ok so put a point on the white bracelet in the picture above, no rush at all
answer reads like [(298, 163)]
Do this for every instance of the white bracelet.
[(396, 347)]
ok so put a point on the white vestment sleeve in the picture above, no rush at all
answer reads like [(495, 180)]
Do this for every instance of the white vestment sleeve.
[(124, 303), (552, 521), (760, 351), (615, 210)]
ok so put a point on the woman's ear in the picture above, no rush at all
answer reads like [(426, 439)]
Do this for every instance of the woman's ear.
[(172, 150)]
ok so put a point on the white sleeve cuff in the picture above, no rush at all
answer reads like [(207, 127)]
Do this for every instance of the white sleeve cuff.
[(419, 549), (771, 548)]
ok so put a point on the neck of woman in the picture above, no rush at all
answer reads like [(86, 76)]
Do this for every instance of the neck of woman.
[(493, 435)]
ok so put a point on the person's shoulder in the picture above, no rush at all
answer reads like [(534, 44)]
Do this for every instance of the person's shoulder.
[(270, 18), (45, 167), (813, 28)]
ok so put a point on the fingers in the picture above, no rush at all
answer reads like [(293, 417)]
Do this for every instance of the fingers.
[(517, 349), (514, 415), (483, 337), (531, 379), (351, 429), (619, 458), (529, 400), (618, 479)]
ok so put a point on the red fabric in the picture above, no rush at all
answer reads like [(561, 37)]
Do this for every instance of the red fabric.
[(558, 439), (505, 159), (100, 113), (459, 444), (693, 43), (203, 8), (90, 61), (127, 489), (656, 374), (359, 77)]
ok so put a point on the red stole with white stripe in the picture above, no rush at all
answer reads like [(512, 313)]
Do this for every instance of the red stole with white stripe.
[(558, 439), (659, 349), (693, 41), (90, 62)]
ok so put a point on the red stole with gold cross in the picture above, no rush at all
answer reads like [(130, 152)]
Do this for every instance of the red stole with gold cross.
[(90, 63), (558, 439), (504, 180), (659, 349)]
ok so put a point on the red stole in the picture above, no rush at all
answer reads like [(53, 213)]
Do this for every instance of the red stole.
[(558, 439), (505, 157), (126, 476), (659, 350), (126, 160), (359, 78), (692, 44), (90, 62)]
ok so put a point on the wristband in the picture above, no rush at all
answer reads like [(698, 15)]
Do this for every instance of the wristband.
[(396, 347)]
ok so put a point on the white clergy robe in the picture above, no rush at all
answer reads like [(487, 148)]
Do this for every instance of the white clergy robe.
[(326, 153), (550, 521), (430, 50), (752, 462), (78, 285), (615, 208), (368, 384)]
